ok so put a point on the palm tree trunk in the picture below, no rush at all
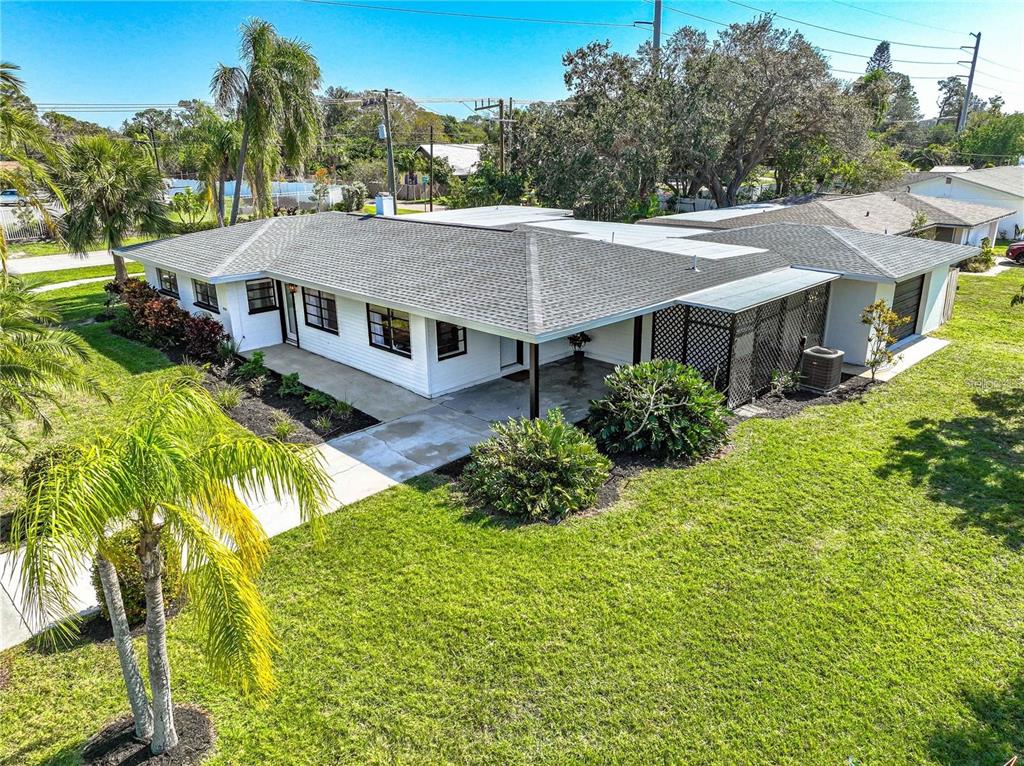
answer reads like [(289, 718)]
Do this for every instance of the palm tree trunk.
[(141, 711), (165, 736), (238, 173), (120, 270), (220, 193)]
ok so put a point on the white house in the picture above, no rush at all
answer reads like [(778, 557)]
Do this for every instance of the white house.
[(463, 158), (435, 304), (1000, 187)]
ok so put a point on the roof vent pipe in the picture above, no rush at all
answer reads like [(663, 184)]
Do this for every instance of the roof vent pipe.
[(385, 204)]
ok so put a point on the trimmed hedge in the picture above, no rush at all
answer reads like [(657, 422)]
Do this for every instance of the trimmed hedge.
[(536, 469), (126, 561), (662, 408)]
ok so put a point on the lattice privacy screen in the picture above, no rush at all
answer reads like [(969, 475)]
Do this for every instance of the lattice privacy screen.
[(739, 352)]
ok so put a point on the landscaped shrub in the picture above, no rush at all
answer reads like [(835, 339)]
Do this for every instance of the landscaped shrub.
[(318, 400), (202, 336), (122, 551), (227, 396), (661, 407), (983, 261), (283, 427), (290, 385), (161, 321), (252, 367), (536, 469), (323, 423)]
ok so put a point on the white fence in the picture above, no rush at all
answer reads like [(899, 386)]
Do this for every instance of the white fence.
[(18, 230)]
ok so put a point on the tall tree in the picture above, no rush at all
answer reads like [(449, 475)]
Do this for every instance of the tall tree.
[(274, 97), (156, 128), (992, 138), (177, 467), (211, 144), (952, 92), (30, 154), (747, 95), (115, 191), (880, 59)]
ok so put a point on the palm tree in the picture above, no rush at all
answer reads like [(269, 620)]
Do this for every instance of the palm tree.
[(115, 191), (38, 361), (408, 162), (175, 466), (29, 153), (274, 96), (214, 142)]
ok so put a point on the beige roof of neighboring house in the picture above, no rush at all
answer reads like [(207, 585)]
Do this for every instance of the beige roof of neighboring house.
[(464, 158), (878, 212), (1008, 179)]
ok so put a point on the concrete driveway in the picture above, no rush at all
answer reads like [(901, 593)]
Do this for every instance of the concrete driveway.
[(38, 263)]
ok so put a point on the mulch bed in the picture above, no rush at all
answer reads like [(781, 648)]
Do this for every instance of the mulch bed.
[(852, 388), (258, 411), (94, 629), (117, 745)]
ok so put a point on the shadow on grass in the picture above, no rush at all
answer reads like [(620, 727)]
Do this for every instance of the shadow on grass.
[(133, 357), (993, 736), (970, 463)]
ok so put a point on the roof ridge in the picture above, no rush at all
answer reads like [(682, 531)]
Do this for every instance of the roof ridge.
[(245, 245), (534, 299)]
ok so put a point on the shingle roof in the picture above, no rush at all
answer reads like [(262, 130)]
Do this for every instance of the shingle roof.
[(846, 251), (1009, 179), (879, 212), (528, 282)]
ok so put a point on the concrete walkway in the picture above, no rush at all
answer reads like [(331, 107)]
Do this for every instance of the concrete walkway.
[(908, 352), (363, 463), (71, 283), (38, 263), (1002, 264), (374, 396)]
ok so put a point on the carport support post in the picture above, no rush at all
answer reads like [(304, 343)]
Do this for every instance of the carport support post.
[(534, 381)]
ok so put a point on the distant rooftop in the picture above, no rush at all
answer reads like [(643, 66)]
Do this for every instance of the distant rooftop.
[(464, 158), (497, 217)]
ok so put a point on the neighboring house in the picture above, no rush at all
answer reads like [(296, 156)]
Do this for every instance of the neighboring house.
[(950, 168), (1000, 187), (463, 158), (891, 212), (440, 302)]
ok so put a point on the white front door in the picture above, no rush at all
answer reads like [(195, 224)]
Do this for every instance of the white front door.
[(510, 352), (291, 334)]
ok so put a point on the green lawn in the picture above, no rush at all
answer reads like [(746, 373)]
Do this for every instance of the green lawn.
[(56, 248), (116, 363), (41, 278), (372, 209), (844, 587)]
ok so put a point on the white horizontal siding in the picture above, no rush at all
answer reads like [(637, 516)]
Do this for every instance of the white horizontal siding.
[(969, 192), (250, 330), (934, 300), (186, 296), (351, 346), (480, 363)]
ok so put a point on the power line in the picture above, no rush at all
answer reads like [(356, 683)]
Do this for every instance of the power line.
[(897, 18), (1000, 64), (841, 32), (486, 17), (864, 56)]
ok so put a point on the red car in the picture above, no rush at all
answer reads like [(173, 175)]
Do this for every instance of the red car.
[(1015, 252)]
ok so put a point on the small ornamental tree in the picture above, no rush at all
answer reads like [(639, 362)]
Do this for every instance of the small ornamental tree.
[(881, 319), (190, 208), (661, 407), (536, 469)]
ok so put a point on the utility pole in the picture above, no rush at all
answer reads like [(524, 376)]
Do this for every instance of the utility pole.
[(391, 151), (501, 134), (962, 121), (430, 177), (657, 33)]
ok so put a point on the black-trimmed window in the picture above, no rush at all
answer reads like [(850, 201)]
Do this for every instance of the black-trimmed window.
[(206, 295), (389, 330), (261, 294), (168, 282), (451, 340), (321, 310)]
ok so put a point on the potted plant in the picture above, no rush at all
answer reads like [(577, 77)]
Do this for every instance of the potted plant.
[(577, 341)]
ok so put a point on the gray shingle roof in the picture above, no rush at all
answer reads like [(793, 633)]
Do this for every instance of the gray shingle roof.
[(529, 282), (1009, 179), (846, 251)]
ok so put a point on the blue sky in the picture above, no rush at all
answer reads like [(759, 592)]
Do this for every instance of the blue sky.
[(162, 51)]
